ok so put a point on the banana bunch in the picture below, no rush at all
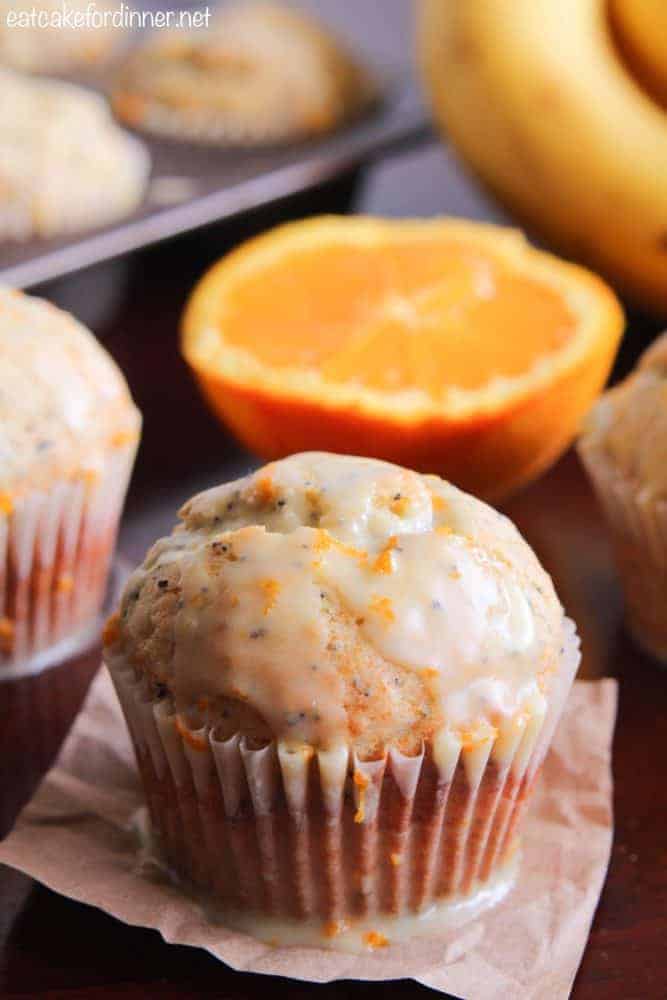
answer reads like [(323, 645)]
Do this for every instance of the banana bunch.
[(557, 105)]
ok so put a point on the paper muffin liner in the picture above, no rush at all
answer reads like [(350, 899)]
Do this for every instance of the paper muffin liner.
[(37, 707), (322, 834), (55, 552), (638, 528)]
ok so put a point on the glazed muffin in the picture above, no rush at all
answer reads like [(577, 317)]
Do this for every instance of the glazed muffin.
[(624, 449), (341, 678), (64, 163), (260, 73), (68, 436), (54, 45)]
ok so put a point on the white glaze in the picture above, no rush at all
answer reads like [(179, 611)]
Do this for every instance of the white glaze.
[(357, 934), (64, 162), (376, 932), (63, 402), (424, 576)]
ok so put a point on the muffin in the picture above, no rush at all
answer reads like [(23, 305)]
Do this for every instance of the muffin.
[(65, 165), (68, 436), (624, 449), (260, 73), (340, 678), (44, 42)]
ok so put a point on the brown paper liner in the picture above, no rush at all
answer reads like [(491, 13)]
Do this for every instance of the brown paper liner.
[(55, 551), (638, 527), (303, 833), (36, 708)]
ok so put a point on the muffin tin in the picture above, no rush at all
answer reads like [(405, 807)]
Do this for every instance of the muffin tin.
[(195, 185)]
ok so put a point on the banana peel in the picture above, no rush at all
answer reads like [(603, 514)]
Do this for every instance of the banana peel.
[(641, 32), (539, 101)]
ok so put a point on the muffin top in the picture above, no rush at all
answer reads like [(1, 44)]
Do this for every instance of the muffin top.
[(628, 424), (327, 599), (260, 73), (53, 44), (63, 401), (64, 162)]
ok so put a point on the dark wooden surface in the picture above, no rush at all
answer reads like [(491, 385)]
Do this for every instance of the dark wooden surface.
[(53, 948)]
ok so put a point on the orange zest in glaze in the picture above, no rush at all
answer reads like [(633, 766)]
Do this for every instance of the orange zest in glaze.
[(395, 859), (471, 738), (194, 740), (361, 781), (333, 928), (438, 503), (266, 491), (374, 939), (6, 505), (90, 476), (325, 541), (271, 589), (384, 562), (399, 506), (65, 583), (121, 438), (349, 550), (382, 606)]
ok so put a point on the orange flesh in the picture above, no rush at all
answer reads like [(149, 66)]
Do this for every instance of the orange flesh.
[(427, 313)]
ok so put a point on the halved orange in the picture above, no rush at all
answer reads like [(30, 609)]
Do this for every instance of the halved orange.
[(447, 346)]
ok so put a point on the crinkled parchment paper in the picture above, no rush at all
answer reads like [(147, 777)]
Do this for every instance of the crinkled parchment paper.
[(76, 837)]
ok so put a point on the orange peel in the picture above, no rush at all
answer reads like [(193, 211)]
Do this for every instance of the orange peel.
[(447, 346)]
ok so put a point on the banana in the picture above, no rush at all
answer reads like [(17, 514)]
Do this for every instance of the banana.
[(537, 99), (641, 27)]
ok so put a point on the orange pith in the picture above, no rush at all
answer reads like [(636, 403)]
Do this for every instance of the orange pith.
[(444, 345)]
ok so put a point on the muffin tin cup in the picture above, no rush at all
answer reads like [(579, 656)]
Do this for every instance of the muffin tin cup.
[(638, 528), (55, 552), (324, 835)]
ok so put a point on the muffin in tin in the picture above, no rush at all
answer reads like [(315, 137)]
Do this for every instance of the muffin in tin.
[(624, 449), (261, 73), (35, 37), (340, 678), (65, 165), (68, 435)]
